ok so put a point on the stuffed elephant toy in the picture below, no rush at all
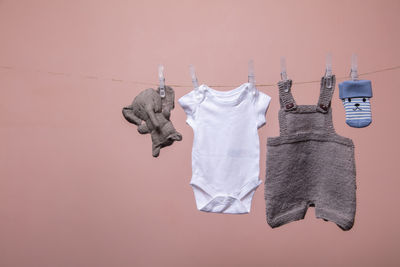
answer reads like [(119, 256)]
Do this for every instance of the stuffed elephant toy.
[(151, 113)]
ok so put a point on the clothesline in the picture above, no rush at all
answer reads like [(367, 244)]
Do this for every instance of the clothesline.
[(94, 77)]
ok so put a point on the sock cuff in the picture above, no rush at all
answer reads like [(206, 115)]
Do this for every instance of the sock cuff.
[(352, 89)]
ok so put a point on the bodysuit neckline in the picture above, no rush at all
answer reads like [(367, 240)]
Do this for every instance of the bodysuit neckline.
[(230, 97)]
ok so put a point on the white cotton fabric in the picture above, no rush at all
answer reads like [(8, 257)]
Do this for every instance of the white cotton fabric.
[(226, 148)]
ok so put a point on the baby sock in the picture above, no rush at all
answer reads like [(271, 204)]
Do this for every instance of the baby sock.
[(356, 100)]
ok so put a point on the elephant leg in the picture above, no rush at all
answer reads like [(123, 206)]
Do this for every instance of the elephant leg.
[(130, 115), (175, 136), (169, 133), (166, 113), (152, 116), (156, 150), (143, 129)]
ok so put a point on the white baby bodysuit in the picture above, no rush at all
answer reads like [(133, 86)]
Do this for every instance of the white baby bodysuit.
[(226, 148)]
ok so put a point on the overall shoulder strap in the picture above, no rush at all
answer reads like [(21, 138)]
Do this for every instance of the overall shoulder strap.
[(326, 92), (285, 95)]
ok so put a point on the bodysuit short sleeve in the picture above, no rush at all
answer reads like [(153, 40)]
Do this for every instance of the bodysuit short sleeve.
[(188, 103), (261, 104)]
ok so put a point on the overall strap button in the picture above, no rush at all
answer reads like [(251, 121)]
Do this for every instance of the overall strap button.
[(289, 106), (323, 107)]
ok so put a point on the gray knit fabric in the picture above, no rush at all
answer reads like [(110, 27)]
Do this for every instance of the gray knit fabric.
[(309, 164), (151, 114)]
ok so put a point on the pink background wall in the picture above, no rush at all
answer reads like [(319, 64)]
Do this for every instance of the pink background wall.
[(78, 184)]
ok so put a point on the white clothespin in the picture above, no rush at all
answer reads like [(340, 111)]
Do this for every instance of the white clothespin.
[(354, 67), (194, 78), (251, 76), (283, 72), (283, 69), (162, 80), (328, 71)]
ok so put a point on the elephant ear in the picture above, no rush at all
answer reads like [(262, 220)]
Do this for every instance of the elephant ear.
[(129, 115)]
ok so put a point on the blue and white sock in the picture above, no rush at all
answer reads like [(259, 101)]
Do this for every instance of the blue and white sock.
[(356, 100)]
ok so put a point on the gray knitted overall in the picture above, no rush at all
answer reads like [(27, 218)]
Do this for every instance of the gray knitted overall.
[(309, 164)]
